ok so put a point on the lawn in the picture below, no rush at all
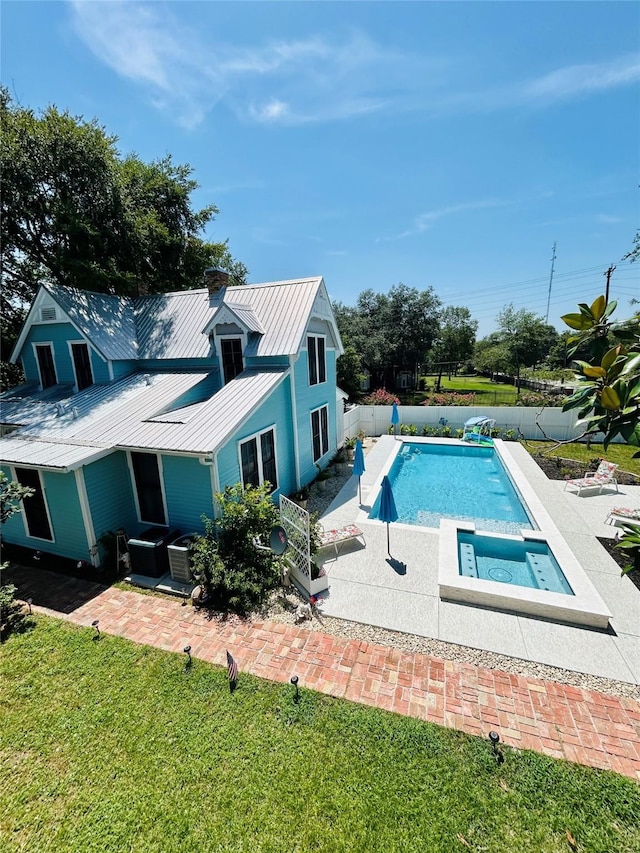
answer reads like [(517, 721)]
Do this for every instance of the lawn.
[(111, 746), (621, 454), (488, 393)]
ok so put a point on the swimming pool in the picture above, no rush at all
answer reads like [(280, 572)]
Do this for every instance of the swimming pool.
[(432, 481)]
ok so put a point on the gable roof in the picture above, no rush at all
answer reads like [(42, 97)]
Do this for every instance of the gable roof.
[(171, 325)]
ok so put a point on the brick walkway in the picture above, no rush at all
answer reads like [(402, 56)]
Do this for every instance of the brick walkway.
[(579, 725)]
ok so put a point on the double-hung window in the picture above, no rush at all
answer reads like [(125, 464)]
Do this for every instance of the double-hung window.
[(317, 360), (47, 369), (320, 432), (258, 459), (35, 509), (231, 353), (82, 365)]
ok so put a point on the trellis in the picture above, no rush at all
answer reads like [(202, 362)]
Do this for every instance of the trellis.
[(295, 521)]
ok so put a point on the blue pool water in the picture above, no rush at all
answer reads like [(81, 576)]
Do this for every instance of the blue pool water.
[(512, 561), (434, 481)]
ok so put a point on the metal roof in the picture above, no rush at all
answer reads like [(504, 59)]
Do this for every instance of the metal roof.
[(107, 321), (170, 325), (57, 456)]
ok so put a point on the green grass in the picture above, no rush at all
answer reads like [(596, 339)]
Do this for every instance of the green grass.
[(620, 454), (488, 393), (110, 746)]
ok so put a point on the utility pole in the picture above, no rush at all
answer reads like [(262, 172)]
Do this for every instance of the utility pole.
[(608, 274), (553, 262)]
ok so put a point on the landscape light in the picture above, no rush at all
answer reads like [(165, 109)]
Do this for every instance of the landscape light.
[(494, 737), (95, 624), (29, 603), (294, 681), (187, 651)]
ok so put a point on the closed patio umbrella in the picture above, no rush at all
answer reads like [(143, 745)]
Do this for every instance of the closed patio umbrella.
[(358, 465), (387, 511), (395, 417)]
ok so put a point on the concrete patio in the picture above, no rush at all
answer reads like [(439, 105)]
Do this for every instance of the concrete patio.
[(401, 594)]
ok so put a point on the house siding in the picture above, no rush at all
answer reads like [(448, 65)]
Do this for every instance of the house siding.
[(123, 368), (110, 496), (67, 525), (308, 398), (276, 411), (59, 335), (182, 475)]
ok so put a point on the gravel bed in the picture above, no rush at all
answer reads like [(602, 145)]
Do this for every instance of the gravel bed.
[(283, 604)]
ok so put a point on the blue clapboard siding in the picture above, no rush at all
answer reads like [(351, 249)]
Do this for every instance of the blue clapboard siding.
[(275, 411), (188, 491), (59, 335), (267, 361), (110, 495), (184, 365), (308, 398), (67, 525), (123, 368)]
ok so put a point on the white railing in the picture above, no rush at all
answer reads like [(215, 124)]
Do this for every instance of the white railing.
[(557, 425)]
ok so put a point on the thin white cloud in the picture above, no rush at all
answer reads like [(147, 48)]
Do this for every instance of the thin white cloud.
[(609, 220), (314, 79), (424, 221)]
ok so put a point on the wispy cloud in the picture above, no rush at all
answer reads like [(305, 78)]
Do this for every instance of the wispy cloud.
[(312, 79), (609, 220), (424, 221)]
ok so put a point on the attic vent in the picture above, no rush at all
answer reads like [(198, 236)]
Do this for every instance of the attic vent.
[(48, 313)]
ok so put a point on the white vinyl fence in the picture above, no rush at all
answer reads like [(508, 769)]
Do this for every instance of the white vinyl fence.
[(375, 420)]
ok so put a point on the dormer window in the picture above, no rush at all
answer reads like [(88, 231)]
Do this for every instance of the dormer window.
[(46, 366), (231, 355), (317, 361)]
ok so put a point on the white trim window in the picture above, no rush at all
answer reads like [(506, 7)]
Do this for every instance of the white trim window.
[(35, 511), (81, 359), (46, 364), (146, 471), (231, 356), (320, 432), (258, 463), (316, 353)]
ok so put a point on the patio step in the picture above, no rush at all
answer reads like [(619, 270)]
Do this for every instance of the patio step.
[(468, 568), (542, 568)]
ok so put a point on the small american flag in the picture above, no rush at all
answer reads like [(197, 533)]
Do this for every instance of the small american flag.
[(232, 666)]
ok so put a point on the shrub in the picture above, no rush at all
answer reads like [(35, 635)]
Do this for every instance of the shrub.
[(237, 574), (449, 398), (536, 398), (380, 397)]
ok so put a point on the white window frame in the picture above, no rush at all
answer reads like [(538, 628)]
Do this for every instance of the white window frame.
[(71, 344), (28, 534), (218, 344), (324, 450), (256, 436), (134, 484), (317, 337), (49, 344)]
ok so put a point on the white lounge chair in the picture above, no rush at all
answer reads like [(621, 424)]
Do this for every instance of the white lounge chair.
[(338, 535), (604, 476), (623, 515)]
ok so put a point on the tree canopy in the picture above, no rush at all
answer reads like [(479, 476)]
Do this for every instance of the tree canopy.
[(74, 212), (390, 331), (456, 336)]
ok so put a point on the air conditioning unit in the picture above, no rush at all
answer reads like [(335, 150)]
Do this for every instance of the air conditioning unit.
[(178, 552)]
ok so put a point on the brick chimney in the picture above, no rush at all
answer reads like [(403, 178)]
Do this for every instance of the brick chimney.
[(215, 279)]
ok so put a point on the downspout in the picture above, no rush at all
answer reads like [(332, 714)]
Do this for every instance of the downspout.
[(86, 516), (294, 418)]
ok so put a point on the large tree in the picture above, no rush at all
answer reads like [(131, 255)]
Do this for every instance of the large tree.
[(75, 212), (527, 337), (457, 335), (391, 331)]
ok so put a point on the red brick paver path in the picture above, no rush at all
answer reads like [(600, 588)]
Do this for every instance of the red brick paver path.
[(579, 725)]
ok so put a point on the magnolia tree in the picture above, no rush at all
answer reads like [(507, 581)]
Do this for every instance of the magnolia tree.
[(608, 397)]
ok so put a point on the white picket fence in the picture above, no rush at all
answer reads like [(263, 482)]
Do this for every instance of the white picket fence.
[(375, 420)]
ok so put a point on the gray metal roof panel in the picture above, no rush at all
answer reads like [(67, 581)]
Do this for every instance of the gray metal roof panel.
[(45, 454), (170, 324), (107, 321)]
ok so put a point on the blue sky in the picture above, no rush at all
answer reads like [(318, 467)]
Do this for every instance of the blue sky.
[(443, 144)]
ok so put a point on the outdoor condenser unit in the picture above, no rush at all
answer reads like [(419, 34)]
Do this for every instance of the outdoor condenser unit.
[(178, 552)]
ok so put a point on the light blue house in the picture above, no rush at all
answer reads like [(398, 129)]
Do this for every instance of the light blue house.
[(135, 411)]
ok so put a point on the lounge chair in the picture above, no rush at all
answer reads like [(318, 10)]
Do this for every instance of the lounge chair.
[(338, 535), (623, 515), (604, 476)]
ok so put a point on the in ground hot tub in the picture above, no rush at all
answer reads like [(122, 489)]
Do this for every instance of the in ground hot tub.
[(533, 574)]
